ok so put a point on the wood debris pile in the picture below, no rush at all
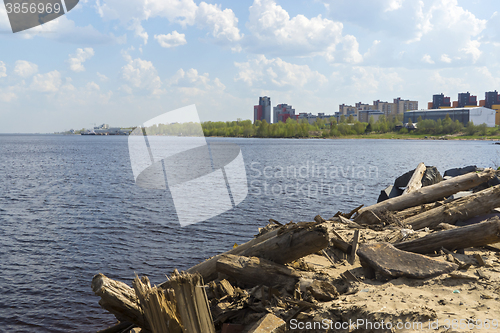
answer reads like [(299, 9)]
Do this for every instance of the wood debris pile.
[(435, 234)]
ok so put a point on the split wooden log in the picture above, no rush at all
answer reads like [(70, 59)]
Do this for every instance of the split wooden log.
[(119, 299), (415, 182), (253, 271), (159, 308), (192, 303), (369, 215), (207, 267), (461, 209), (475, 235), (291, 244)]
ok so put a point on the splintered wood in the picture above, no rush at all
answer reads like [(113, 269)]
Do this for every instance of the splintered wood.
[(159, 307)]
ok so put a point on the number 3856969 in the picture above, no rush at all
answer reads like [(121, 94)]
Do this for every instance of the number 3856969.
[(32, 8)]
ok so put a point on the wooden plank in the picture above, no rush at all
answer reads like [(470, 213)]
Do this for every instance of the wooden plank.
[(415, 182), (354, 249)]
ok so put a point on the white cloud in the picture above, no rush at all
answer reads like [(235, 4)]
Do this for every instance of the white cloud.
[(191, 83), (221, 23), (445, 58), (49, 82), (102, 77), (3, 69), (472, 48), (275, 32), (171, 40), (76, 60), (25, 68), (427, 59), (277, 73), (142, 75)]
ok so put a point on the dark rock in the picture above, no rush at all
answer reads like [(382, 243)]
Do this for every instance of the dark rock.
[(403, 180), (389, 192), (462, 171), (431, 176), (391, 262)]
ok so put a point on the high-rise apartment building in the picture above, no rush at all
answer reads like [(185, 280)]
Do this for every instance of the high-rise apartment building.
[(491, 98), (440, 100), (263, 110), (385, 107), (282, 112), (403, 105), (466, 99)]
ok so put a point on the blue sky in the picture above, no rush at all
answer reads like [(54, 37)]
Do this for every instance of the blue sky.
[(123, 62)]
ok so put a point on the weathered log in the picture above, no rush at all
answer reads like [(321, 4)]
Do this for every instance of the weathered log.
[(192, 303), (119, 299), (424, 195), (389, 261), (291, 244), (207, 267), (415, 182), (475, 235), (412, 211), (159, 309), (253, 271), (461, 209)]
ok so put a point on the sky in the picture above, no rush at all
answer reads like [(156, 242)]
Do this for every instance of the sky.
[(123, 62)]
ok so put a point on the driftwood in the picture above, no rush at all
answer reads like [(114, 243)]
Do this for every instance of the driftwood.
[(369, 215), (207, 267), (412, 211), (291, 244), (415, 182), (389, 261), (462, 209), (192, 303), (255, 271), (119, 299), (475, 235), (159, 307)]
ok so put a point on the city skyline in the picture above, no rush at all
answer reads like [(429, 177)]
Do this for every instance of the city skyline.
[(119, 62)]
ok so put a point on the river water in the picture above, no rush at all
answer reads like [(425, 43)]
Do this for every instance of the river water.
[(69, 209)]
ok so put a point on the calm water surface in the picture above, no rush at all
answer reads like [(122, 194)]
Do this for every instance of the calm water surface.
[(69, 209)]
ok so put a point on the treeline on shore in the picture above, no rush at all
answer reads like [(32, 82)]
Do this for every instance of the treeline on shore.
[(326, 128)]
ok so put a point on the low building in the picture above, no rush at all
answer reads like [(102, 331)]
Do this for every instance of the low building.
[(478, 115), (364, 115)]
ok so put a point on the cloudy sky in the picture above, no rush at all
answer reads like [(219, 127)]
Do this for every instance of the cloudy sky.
[(123, 62)]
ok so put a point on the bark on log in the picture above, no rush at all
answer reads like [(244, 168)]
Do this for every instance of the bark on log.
[(461, 209), (424, 195), (254, 271), (475, 235), (119, 299), (415, 182), (291, 244)]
